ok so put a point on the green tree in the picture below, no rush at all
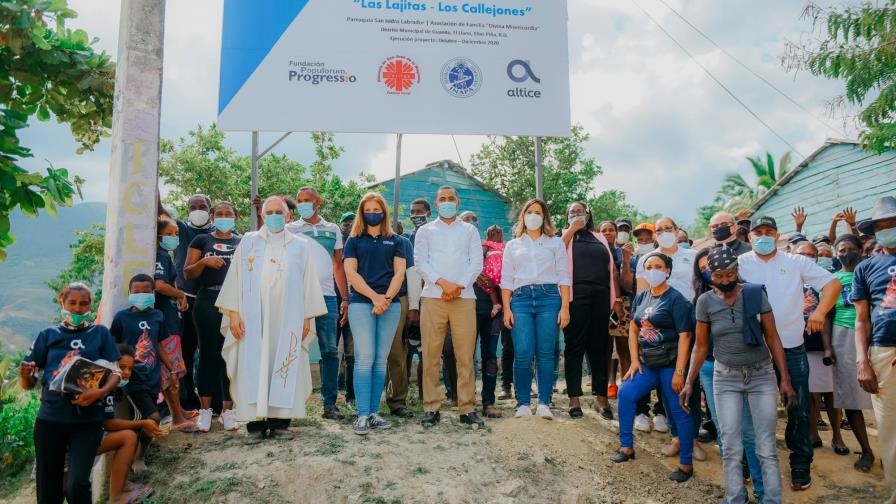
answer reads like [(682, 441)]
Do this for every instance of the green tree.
[(507, 164), (86, 265), (200, 163), (856, 44), (46, 70)]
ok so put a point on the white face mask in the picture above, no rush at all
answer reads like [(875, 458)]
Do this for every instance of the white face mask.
[(656, 277), (622, 238), (646, 248), (667, 239), (198, 218), (533, 221)]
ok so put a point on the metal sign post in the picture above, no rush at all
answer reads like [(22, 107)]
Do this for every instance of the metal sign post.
[(539, 171), (395, 216)]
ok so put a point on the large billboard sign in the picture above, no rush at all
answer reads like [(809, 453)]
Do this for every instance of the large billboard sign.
[(395, 66)]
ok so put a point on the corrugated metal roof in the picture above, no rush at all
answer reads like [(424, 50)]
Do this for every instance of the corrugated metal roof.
[(839, 174)]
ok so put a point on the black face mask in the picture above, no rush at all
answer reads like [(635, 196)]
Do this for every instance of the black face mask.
[(721, 234), (418, 220), (849, 259), (726, 287)]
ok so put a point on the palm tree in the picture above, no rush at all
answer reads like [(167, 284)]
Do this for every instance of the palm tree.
[(741, 194)]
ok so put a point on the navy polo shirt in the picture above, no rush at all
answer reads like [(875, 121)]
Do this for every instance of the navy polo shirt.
[(375, 256)]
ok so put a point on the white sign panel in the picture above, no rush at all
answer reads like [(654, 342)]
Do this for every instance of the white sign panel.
[(395, 66)]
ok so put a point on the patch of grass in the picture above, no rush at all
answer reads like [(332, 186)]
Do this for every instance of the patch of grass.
[(307, 422), (12, 483), (421, 471), (379, 499), (332, 444), (229, 466), (390, 485), (196, 489)]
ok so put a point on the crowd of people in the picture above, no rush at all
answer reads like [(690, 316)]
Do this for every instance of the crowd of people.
[(752, 317)]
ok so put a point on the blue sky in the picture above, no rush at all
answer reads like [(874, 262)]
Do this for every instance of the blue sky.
[(663, 131)]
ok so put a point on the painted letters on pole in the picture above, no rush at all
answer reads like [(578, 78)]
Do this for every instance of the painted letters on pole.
[(395, 66)]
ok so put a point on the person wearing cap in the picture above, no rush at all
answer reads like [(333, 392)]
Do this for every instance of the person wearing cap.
[(874, 296), (623, 230), (784, 276), (325, 245), (793, 239), (737, 318), (723, 229)]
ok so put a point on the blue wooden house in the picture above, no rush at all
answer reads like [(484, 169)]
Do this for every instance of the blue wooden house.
[(489, 206), (839, 174)]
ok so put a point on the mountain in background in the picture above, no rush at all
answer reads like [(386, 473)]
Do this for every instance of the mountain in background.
[(41, 250)]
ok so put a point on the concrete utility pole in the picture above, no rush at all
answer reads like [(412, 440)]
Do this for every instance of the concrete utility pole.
[(134, 170)]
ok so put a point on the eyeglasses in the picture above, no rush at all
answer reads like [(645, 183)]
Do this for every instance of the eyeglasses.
[(721, 225)]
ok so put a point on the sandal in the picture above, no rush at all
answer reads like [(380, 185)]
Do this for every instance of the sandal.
[(840, 450), (139, 493), (191, 414), (575, 412), (188, 427), (680, 476), (865, 462)]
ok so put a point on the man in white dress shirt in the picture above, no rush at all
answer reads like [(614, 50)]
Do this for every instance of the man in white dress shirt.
[(448, 255)]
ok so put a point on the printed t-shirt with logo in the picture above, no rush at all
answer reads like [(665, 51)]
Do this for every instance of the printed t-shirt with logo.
[(661, 319), (325, 239), (52, 349), (211, 246), (875, 281), (143, 330)]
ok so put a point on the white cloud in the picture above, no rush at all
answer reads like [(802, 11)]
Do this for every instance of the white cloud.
[(663, 131)]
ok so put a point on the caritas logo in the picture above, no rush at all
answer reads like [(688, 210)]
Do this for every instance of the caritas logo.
[(399, 74)]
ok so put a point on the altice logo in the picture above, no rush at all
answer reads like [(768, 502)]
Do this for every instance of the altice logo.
[(520, 71)]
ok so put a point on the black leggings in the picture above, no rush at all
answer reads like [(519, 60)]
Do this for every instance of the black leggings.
[(212, 377), (506, 358), (52, 440), (588, 333)]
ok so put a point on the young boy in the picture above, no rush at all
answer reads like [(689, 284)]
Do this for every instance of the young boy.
[(120, 437), (143, 327)]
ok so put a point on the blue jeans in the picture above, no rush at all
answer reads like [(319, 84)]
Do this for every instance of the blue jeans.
[(329, 352), (638, 387), (488, 349), (748, 392), (797, 433), (373, 336), (749, 438), (535, 331)]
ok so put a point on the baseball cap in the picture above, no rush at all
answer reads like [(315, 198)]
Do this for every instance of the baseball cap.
[(624, 221), (796, 238), (644, 226), (821, 238), (346, 216), (765, 220)]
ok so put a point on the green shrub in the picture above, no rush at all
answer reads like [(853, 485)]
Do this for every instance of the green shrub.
[(16, 433)]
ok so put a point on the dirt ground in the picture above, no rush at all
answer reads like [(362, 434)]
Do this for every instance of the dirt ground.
[(509, 461)]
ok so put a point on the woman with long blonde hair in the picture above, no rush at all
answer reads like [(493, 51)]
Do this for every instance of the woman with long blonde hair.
[(535, 287), (374, 266)]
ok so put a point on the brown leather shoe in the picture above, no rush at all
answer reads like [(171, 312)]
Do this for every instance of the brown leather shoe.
[(491, 411)]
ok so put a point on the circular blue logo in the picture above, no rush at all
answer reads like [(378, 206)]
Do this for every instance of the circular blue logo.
[(461, 77)]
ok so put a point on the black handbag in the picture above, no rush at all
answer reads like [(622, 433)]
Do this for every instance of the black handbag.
[(663, 356)]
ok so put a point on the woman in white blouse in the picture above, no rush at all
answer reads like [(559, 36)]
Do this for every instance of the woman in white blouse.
[(535, 285)]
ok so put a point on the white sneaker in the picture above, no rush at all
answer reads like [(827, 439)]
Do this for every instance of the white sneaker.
[(523, 412), (544, 411), (228, 420), (642, 423), (659, 424), (204, 424)]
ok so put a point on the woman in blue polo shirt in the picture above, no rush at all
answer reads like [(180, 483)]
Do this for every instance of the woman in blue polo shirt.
[(66, 423), (374, 266)]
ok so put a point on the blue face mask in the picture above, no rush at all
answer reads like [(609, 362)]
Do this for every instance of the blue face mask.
[(707, 276), (447, 209), (886, 238), (684, 245), (305, 209), (418, 220), (122, 383), (764, 245), (373, 218), (275, 222), (142, 300), (826, 263), (170, 242), (225, 224)]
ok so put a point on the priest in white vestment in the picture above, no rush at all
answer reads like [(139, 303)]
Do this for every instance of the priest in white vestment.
[(269, 298)]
